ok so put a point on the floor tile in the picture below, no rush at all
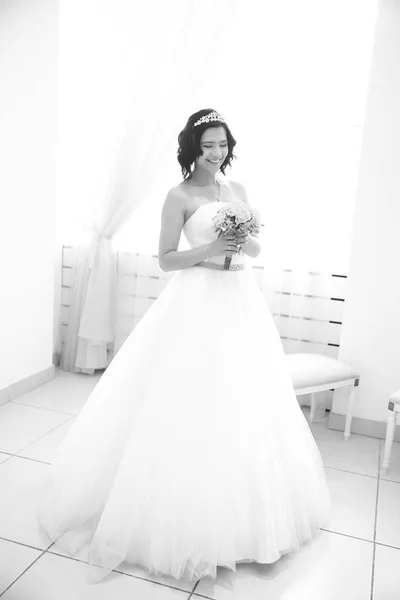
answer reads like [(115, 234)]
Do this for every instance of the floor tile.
[(388, 521), (53, 577), (45, 448), (22, 425), (20, 484), (327, 568), (387, 574), (331, 566), (14, 559), (83, 555), (66, 392), (393, 472), (360, 454), (353, 500)]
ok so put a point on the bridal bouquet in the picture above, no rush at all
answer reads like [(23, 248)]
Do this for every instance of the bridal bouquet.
[(237, 217)]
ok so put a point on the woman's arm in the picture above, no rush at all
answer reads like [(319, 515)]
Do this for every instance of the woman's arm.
[(172, 221), (252, 247)]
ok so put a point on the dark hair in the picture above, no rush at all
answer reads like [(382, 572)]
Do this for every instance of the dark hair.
[(189, 142)]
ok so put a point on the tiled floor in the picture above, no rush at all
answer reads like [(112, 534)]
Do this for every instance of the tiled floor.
[(357, 558)]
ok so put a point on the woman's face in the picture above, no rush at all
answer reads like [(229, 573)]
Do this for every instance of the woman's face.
[(214, 145)]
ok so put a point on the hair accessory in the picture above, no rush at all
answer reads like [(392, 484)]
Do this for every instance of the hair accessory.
[(212, 116)]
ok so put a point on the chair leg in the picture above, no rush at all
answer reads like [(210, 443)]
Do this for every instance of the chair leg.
[(352, 395), (390, 427), (313, 406)]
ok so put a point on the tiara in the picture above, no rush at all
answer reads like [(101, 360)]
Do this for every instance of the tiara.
[(212, 116)]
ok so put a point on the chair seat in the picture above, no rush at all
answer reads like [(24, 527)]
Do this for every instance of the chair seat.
[(308, 370), (395, 397)]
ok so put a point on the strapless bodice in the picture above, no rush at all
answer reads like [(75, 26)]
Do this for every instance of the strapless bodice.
[(199, 229)]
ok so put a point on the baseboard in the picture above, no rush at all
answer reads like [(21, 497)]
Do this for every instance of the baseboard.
[(376, 429), (26, 385)]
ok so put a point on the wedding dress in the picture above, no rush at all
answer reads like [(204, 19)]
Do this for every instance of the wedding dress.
[(192, 451)]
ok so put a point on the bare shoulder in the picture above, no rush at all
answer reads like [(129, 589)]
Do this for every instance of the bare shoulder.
[(175, 201), (239, 191), (177, 192)]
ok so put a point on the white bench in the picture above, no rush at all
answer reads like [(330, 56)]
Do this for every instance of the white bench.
[(394, 409), (313, 373)]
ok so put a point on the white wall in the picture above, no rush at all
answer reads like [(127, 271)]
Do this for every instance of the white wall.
[(28, 100), (371, 328)]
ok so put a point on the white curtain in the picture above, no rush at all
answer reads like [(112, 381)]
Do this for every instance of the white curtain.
[(167, 68), (292, 95)]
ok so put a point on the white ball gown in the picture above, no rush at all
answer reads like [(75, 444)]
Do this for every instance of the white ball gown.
[(192, 451)]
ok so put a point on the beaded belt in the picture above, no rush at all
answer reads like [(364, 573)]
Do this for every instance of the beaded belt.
[(220, 267)]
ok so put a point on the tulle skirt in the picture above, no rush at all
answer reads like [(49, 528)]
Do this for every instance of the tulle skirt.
[(192, 451)]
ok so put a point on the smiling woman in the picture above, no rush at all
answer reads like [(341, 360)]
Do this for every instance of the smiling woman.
[(205, 148), (182, 458), (214, 147), (205, 140)]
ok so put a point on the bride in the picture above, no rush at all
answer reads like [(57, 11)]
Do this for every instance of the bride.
[(192, 451)]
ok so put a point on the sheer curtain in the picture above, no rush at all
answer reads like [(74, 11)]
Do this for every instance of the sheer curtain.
[(166, 65), (292, 95)]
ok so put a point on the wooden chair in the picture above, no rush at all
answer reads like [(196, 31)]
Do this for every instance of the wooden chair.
[(313, 373)]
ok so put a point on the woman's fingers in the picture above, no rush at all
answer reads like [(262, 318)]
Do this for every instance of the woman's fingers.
[(231, 237)]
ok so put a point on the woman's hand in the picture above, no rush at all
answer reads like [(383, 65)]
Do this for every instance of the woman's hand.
[(241, 239), (227, 245)]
